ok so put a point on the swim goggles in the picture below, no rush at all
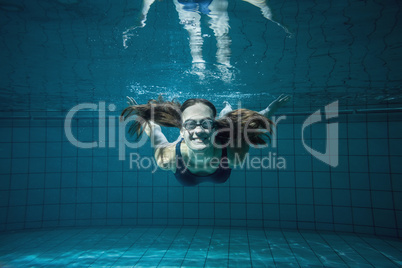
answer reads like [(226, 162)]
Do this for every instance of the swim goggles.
[(207, 124)]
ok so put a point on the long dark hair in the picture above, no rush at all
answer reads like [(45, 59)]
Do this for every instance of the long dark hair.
[(230, 129)]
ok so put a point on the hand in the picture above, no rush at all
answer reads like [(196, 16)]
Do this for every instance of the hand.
[(275, 105), (280, 101), (131, 101)]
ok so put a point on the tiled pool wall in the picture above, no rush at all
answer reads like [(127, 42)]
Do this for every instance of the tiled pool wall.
[(46, 181)]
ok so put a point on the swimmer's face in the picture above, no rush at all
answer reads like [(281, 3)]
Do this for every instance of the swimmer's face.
[(200, 137)]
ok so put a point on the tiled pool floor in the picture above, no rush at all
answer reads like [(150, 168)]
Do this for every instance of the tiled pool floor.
[(195, 247)]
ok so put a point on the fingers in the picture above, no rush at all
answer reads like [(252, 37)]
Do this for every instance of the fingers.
[(280, 98), (284, 98), (287, 98), (131, 101)]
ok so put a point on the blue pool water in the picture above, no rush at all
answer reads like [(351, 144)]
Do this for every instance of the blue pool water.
[(75, 190)]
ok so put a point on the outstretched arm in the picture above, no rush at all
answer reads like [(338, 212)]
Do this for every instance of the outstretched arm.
[(153, 130), (238, 155), (225, 110), (275, 105)]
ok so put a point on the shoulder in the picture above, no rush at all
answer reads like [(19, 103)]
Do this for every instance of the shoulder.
[(166, 156)]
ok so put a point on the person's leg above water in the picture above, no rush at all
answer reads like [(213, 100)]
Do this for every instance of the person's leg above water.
[(191, 21), (266, 12), (139, 21), (219, 23)]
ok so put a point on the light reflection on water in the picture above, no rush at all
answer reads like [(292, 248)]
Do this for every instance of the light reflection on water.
[(61, 53), (143, 93)]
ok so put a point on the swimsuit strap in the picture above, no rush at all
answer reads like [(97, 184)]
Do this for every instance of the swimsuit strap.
[(178, 153)]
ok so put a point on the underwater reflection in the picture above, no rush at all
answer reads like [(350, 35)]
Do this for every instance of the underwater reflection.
[(190, 13)]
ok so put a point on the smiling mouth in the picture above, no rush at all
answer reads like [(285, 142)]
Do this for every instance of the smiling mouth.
[(199, 140)]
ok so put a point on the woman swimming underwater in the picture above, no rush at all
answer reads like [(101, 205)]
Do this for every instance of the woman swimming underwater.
[(209, 147)]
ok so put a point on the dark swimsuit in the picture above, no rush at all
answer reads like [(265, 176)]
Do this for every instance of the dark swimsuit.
[(194, 5), (186, 178)]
